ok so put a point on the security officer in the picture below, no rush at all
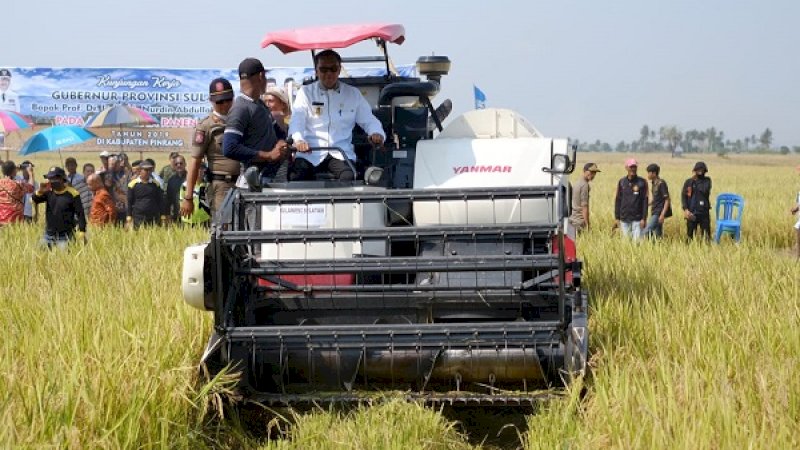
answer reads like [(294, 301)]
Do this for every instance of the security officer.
[(145, 198), (207, 143), (696, 202), (9, 100)]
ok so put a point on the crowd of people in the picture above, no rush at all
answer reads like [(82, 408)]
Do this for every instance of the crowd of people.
[(116, 192)]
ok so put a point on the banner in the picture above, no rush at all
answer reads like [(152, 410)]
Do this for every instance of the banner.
[(177, 98)]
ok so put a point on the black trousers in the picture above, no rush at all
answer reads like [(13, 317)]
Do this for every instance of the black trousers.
[(302, 170), (139, 221), (704, 222)]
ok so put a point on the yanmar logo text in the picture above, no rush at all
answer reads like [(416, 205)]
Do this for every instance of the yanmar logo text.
[(481, 169)]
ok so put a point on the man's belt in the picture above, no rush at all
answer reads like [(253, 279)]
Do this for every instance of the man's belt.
[(224, 177)]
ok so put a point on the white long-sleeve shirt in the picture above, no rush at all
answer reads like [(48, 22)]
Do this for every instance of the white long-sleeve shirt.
[(326, 117)]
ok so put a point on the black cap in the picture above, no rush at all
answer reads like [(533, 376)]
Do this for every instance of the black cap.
[(5, 73), (654, 168), (220, 89), (249, 67), (56, 172), (700, 165), (146, 165)]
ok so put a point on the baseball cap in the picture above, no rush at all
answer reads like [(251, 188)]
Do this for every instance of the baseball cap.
[(219, 90), (700, 165), (249, 67), (55, 172), (5, 73), (105, 154), (146, 165), (278, 92), (591, 167), (631, 162)]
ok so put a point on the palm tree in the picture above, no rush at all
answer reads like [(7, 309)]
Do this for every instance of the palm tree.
[(644, 133), (672, 136), (766, 138)]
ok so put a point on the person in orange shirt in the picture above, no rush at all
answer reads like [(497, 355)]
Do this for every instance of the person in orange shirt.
[(104, 210), (12, 194)]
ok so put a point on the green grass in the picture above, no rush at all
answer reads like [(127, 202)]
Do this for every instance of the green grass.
[(693, 346)]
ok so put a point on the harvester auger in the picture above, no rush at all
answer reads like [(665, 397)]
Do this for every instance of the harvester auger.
[(446, 271)]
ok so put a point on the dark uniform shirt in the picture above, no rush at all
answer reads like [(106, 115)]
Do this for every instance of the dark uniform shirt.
[(145, 199), (251, 121), (64, 210), (696, 196), (630, 204)]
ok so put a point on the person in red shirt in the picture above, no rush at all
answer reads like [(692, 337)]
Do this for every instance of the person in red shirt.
[(12, 194), (103, 210)]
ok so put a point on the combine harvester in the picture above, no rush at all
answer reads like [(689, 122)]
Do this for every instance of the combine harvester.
[(445, 272)]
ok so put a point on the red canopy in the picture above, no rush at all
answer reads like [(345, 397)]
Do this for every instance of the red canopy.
[(335, 36)]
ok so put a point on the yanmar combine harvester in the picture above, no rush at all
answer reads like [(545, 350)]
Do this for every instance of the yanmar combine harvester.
[(446, 272)]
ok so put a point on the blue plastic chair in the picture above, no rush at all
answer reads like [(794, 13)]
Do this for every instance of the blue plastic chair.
[(729, 215)]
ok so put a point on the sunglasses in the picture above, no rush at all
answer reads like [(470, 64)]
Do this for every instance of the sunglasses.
[(328, 69)]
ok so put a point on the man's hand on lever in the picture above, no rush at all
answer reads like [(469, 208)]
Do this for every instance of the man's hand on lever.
[(278, 153)]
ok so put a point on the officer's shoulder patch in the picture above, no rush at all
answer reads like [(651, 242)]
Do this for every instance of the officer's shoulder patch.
[(199, 136)]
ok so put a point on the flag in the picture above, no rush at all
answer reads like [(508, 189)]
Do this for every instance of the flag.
[(480, 98)]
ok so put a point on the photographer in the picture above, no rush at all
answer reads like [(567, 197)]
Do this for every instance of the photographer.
[(12, 194)]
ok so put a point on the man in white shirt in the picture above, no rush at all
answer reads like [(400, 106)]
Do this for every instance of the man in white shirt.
[(323, 115), (9, 100)]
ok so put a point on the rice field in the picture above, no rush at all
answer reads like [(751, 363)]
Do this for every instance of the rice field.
[(693, 345)]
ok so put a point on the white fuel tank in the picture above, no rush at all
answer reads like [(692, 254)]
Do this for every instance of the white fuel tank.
[(322, 216), (487, 148)]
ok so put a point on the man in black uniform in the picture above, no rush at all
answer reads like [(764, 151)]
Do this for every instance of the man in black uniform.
[(145, 198), (696, 202), (249, 132), (630, 204), (64, 209), (207, 143)]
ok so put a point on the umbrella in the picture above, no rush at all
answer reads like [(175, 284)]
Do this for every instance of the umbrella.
[(120, 116), (11, 121), (55, 138)]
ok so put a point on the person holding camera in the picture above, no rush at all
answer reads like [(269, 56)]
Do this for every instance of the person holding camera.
[(64, 209), (12, 194)]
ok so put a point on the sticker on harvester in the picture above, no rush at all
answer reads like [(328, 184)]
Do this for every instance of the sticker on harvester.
[(312, 216)]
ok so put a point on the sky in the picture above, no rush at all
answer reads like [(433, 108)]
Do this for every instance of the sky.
[(585, 69)]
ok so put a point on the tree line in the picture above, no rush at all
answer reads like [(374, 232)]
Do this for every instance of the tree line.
[(669, 138)]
